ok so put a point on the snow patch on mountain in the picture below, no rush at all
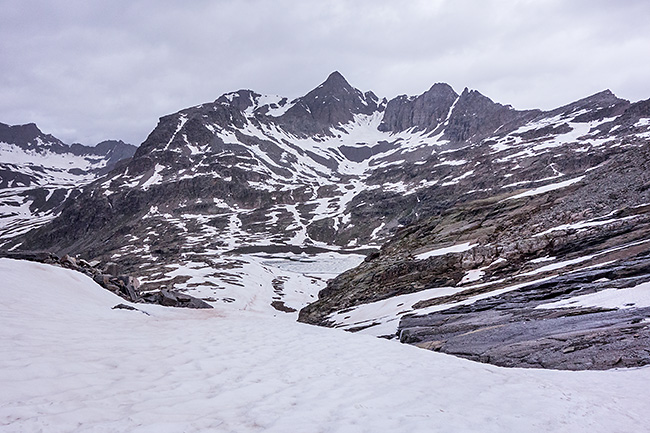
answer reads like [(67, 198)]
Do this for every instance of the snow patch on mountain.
[(446, 250), (631, 297), (546, 188)]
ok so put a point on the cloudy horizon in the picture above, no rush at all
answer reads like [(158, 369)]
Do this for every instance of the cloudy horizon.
[(90, 71)]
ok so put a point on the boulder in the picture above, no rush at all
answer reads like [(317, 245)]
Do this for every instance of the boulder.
[(112, 268), (174, 299)]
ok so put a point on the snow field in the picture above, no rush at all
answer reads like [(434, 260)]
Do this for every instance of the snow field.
[(15, 215), (56, 164), (447, 250), (71, 363), (631, 297), (577, 131), (45, 169), (581, 225), (252, 282), (545, 188)]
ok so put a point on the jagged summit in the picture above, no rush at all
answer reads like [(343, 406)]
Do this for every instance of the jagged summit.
[(332, 103), (468, 117), (334, 88), (441, 87), (475, 117), (424, 112), (29, 137), (335, 81)]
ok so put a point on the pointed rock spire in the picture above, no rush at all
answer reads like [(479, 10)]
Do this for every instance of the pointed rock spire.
[(332, 103), (335, 81), (334, 85)]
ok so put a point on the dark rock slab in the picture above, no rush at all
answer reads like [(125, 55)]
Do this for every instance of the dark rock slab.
[(174, 299), (509, 330), (567, 339)]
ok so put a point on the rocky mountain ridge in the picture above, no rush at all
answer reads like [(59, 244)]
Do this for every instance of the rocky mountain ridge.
[(38, 172), (256, 201)]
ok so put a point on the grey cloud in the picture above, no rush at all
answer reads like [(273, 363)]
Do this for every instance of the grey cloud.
[(87, 71)]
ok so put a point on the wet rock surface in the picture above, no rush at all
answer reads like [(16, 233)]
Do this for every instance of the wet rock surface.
[(511, 330), (516, 336)]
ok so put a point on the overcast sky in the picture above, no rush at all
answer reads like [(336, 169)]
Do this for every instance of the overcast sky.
[(89, 70)]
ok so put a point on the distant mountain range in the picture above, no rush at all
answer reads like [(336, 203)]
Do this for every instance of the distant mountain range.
[(474, 226), (38, 172)]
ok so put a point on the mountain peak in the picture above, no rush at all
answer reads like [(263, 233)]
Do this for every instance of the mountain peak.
[(332, 103), (598, 105), (335, 84), (438, 88), (605, 96), (335, 79), (426, 111), (27, 128), (26, 136)]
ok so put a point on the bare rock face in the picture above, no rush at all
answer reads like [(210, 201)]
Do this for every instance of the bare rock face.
[(520, 249), (516, 257), (333, 103), (511, 330), (427, 111), (29, 137), (476, 117)]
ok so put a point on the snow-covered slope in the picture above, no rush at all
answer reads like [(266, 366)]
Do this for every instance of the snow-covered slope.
[(38, 173), (69, 362)]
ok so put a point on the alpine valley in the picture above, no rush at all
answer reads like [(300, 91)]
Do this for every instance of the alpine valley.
[(443, 220)]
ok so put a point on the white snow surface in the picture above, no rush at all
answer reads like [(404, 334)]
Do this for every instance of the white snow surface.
[(546, 188), (55, 162), (631, 297), (68, 362), (584, 225), (46, 169), (155, 177), (460, 248)]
